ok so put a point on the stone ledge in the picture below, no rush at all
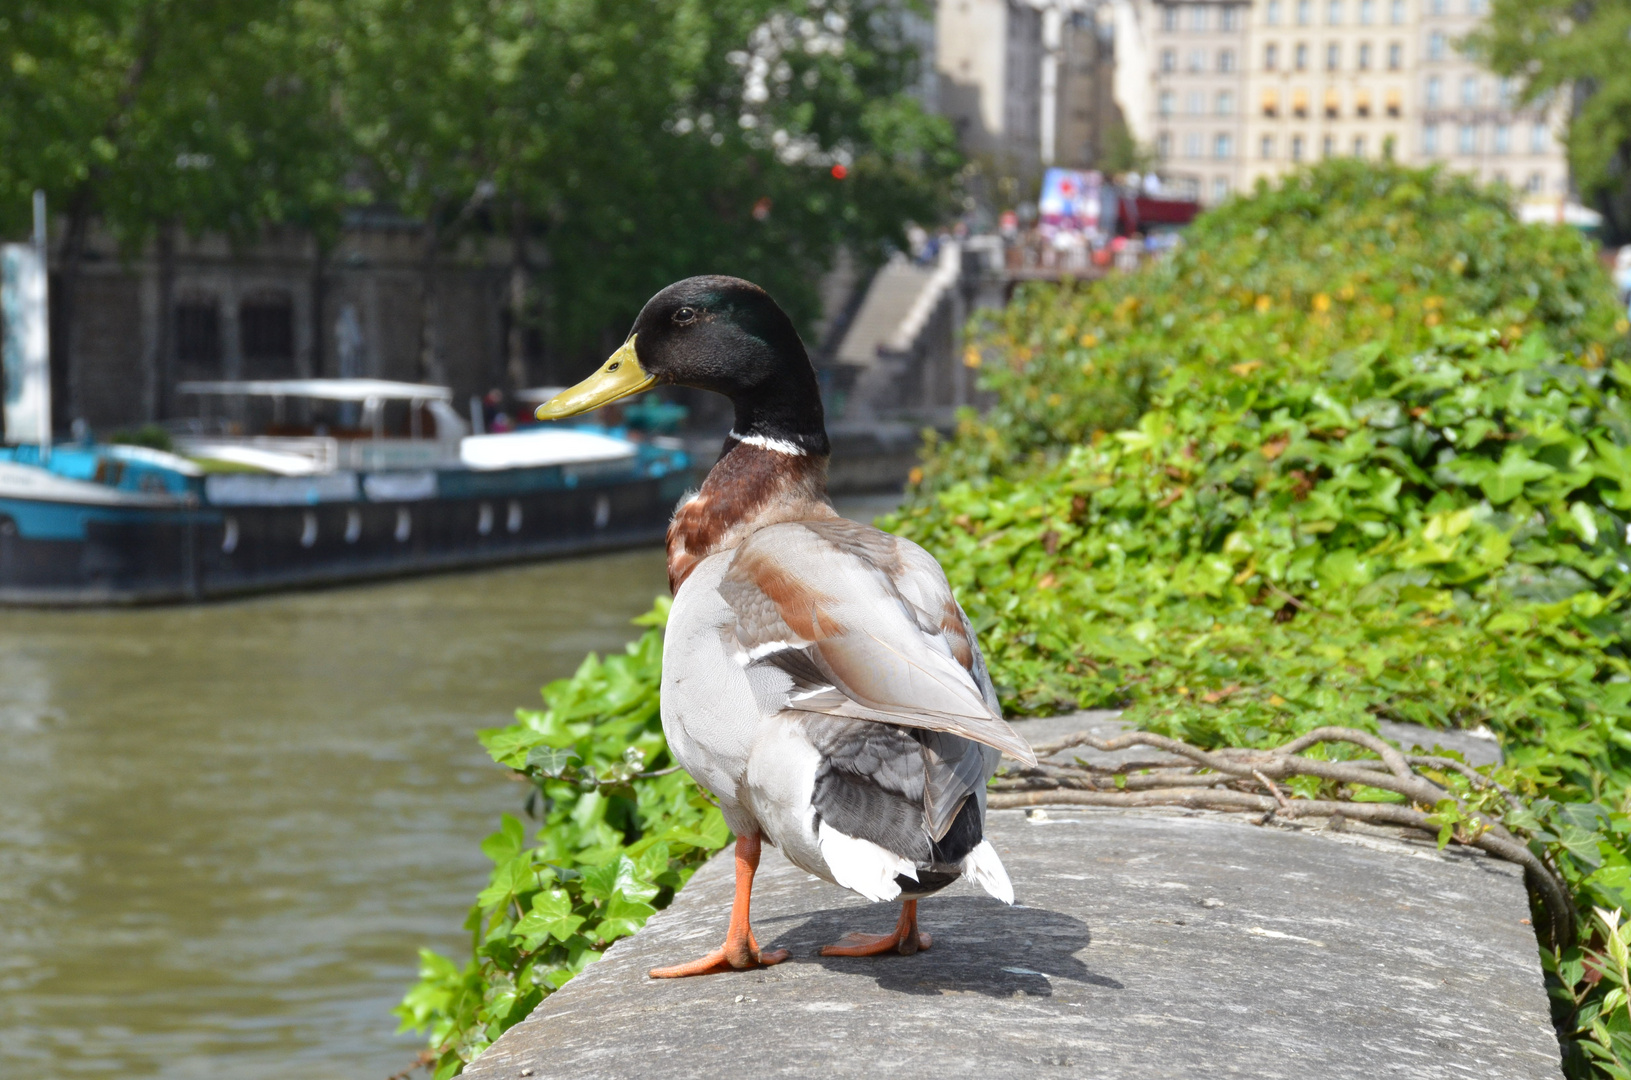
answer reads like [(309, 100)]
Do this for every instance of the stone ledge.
[(1147, 944)]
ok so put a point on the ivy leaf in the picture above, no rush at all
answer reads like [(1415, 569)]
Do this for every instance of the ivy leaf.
[(622, 917), (505, 844), (551, 917), (549, 760)]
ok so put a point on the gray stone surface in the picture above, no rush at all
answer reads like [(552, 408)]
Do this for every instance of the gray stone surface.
[(1145, 945)]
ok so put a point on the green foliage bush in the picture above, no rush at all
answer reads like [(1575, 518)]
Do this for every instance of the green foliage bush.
[(1344, 254), (1384, 470), (619, 830)]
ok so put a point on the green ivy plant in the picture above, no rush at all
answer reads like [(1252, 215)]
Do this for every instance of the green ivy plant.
[(1372, 460), (619, 829)]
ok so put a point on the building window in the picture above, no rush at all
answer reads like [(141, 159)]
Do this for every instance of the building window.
[(1169, 18), (1333, 56), (1535, 184), (1362, 103), (1469, 91), (1220, 189), (1271, 103), (1299, 104), (266, 335), (1165, 106), (1195, 103), (1364, 56), (1467, 141), (1503, 138), (1296, 148), (1475, 7), (1395, 56), (1301, 62), (1429, 139), (1436, 6), (1304, 12), (1395, 103), (198, 332), (1367, 12), (1537, 139), (1266, 148), (1225, 103), (1328, 146), (1334, 14), (1435, 46), (1226, 60), (1505, 91), (1169, 60), (1192, 144), (1273, 15), (1223, 146), (1163, 145), (1197, 16), (1435, 92), (1197, 59), (1271, 56), (1396, 13), (1333, 104), (1231, 17), (1359, 146)]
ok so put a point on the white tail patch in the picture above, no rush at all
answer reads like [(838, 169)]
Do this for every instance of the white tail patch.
[(866, 868), (984, 868)]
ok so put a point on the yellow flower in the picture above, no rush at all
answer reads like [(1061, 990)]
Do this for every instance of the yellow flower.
[(915, 477), (971, 357), (1623, 326), (1089, 340), (1246, 368), (1432, 318), (1322, 302), (1263, 302), (1346, 292)]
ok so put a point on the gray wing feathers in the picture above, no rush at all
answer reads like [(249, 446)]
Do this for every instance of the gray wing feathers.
[(862, 624)]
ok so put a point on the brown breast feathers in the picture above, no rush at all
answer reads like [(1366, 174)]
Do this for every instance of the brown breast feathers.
[(750, 487)]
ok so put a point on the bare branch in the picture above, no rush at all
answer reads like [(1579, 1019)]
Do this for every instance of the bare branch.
[(1210, 782)]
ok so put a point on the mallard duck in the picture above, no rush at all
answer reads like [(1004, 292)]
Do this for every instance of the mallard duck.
[(819, 677)]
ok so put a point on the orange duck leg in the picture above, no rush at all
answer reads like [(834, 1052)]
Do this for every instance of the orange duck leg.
[(906, 938), (741, 949)]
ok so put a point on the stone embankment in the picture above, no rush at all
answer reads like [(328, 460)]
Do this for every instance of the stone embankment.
[(1145, 944)]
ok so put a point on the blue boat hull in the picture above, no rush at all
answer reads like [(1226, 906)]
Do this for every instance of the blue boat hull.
[(64, 554)]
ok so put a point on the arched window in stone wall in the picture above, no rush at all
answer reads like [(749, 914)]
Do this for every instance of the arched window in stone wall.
[(266, 334)]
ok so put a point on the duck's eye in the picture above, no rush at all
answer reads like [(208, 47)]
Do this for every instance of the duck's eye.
[(685, 316)]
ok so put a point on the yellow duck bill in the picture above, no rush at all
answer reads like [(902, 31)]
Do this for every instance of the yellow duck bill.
[(618, 377)]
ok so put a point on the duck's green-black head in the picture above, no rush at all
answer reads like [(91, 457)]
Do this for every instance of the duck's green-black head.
[(721, 334)]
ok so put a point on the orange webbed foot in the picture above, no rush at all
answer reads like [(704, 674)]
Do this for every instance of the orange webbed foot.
[(905, 939), (717, 962)]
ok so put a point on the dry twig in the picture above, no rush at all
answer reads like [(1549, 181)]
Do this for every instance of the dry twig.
[(1230, 779)]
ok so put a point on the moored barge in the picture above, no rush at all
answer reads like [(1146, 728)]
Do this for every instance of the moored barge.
[(307, 502)]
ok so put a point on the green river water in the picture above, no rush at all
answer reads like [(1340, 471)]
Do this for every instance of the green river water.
[(226, 829)]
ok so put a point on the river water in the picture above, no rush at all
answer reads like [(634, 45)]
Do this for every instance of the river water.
[(225, 830)]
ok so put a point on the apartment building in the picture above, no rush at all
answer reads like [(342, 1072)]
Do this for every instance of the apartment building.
[(1329, 77), (1241, 91), (1468, 118), (1198, 56)]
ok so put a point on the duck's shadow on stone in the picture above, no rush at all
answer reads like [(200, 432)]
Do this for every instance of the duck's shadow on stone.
[(980, 946)]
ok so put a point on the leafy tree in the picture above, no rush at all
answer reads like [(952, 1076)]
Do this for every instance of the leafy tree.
[(622, 144), (1577, 49), (151, 115)]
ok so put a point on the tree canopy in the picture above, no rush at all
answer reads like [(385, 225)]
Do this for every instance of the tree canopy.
[(1576, 49), (629, 142)]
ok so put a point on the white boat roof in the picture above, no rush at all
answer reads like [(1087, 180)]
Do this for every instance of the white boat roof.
[(322, 389), (542, 446)]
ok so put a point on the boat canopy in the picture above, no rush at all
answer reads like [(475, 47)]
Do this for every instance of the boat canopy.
[(322, 389)]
